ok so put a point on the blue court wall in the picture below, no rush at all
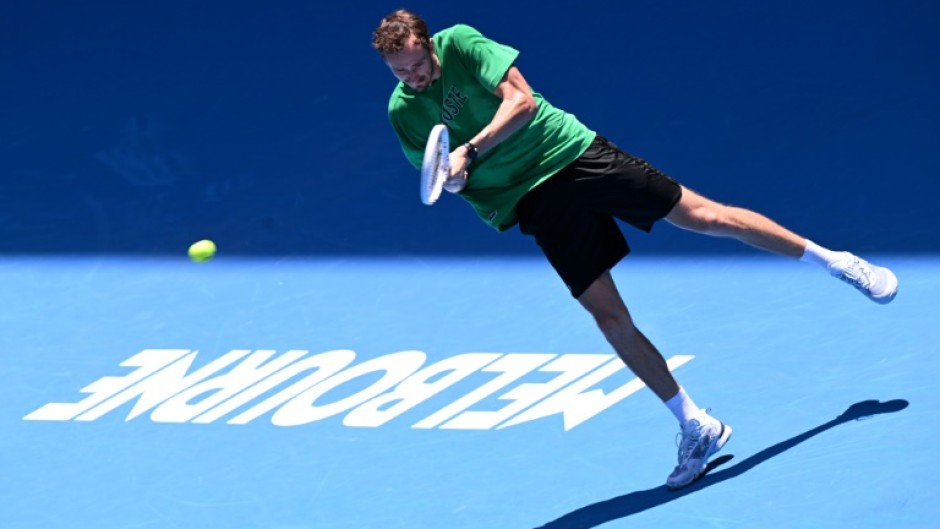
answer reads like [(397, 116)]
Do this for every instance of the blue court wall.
[(138, 127)]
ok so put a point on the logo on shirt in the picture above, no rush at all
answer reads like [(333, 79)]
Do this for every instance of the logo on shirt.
[(453, 103)]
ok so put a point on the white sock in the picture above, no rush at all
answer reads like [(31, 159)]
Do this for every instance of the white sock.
[(819, 255), (682, 407)]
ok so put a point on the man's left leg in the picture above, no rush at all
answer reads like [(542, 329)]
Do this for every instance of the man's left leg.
[(702, 215), (702, 434)]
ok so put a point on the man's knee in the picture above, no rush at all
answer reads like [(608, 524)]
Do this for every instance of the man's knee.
[(711, 218), (702, 215), (616, 325), (603, 302)]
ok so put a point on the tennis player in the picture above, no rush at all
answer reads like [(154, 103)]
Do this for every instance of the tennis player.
[(520, 160)]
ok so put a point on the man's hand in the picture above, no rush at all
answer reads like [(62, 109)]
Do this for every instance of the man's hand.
[(458, 170)]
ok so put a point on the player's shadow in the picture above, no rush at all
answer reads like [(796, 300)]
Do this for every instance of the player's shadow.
[(622, 506)]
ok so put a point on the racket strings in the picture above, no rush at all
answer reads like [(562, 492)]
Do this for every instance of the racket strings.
[(435, 168), (436, 163)]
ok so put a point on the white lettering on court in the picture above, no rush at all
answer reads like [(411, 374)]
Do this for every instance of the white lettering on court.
[(469, 391)]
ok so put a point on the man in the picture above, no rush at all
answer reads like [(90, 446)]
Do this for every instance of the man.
[(522, 161)]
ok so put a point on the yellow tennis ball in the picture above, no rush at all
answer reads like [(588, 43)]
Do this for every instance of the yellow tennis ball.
[(202, 251)]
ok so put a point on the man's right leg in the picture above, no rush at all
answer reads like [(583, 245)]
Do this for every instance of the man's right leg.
[(603, 302), (702, 435)]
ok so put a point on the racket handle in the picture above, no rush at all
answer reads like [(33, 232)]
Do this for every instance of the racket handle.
[(455, 184)]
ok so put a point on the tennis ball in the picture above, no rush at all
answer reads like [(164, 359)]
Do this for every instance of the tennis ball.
[(202, 251)]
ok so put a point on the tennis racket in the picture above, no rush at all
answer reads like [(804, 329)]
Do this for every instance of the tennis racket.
[(435, 169)]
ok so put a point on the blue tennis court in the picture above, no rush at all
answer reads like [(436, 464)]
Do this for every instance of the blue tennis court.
[(353, 359), (166, 394)]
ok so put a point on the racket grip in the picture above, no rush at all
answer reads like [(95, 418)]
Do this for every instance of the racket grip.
[(455, 184)]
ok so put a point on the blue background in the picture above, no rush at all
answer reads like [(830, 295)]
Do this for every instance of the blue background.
[(138, 127), (130, 129)]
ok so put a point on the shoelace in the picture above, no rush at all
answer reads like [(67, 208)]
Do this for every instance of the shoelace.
[(688, 442), (858, 275)]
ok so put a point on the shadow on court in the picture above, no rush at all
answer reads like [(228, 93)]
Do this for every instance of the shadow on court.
[(629, 504)]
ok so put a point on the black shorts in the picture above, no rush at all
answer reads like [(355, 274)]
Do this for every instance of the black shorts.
[(571, 215)]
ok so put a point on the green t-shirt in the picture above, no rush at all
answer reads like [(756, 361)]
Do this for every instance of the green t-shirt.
[(463, 99)]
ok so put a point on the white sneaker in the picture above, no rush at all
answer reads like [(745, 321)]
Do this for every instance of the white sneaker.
[(701, 438), (876, 282)]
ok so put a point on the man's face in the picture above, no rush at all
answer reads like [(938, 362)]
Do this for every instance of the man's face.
[(413, 65)]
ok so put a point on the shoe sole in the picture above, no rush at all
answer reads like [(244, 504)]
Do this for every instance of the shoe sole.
[(720, 442), (892, 288), (713, 449)]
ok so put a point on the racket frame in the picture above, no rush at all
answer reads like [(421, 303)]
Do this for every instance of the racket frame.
[(435, 167)]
